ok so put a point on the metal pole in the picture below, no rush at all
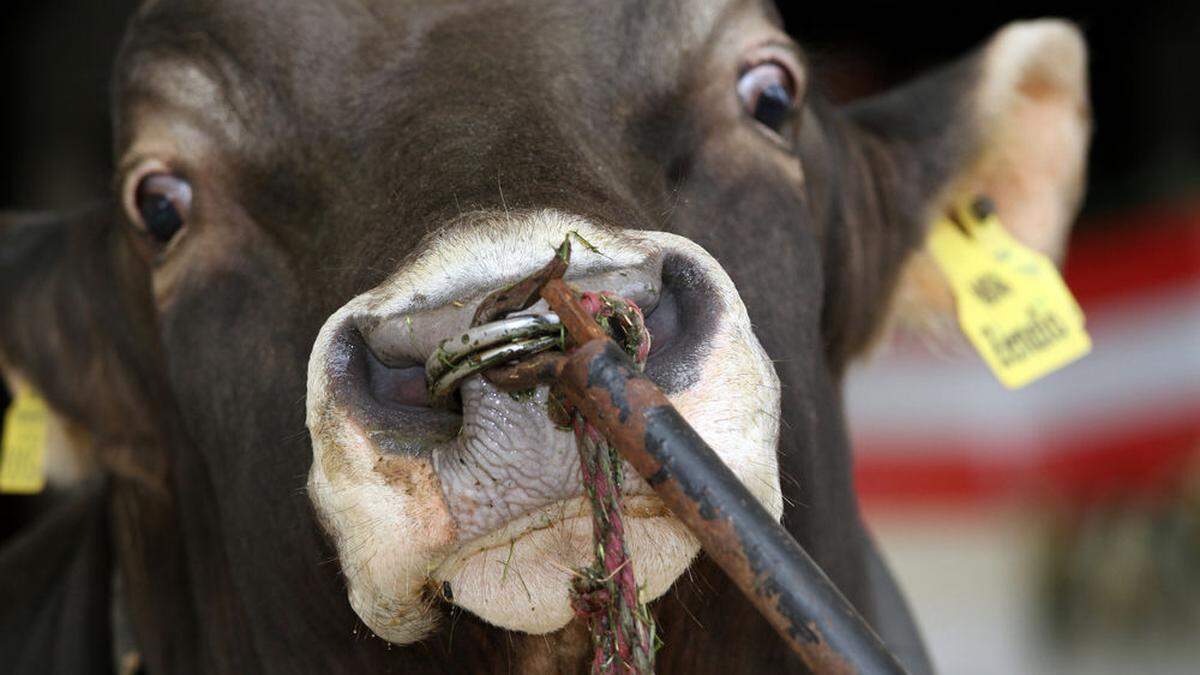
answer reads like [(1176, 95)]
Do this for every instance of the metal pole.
[(769, 566)]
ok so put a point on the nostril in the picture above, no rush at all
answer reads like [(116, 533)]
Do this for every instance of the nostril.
[(682, 324), (397, 385), (387, 404), (662, 323)]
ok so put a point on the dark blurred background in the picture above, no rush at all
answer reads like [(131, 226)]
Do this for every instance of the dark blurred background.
[(1062, 543)]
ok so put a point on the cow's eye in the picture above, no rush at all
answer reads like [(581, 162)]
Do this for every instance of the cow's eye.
[(162, 203), (768, 93)]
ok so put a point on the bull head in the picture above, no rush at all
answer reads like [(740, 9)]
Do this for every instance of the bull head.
[(312, 195)]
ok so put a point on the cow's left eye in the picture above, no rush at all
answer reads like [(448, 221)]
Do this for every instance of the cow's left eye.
[(162, 204), (768, 93)]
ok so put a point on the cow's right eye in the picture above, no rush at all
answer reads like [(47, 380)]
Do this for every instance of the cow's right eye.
[(768, 94), (162, 203)]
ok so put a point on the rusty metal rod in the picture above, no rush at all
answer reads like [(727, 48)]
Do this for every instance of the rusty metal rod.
[(768, 565), (581, 326)]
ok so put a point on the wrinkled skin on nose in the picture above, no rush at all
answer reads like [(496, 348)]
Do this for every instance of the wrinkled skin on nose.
[(506, 460)]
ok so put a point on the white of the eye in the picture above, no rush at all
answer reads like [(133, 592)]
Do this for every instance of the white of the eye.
[(754, 81), (166, 185)]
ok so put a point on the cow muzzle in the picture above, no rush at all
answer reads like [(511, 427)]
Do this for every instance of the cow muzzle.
[(479, 503)]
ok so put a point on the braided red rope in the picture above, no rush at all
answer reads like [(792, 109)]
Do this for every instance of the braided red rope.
[(606, 594)]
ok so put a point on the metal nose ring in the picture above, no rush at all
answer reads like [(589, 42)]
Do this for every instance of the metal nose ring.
[(487, 346)]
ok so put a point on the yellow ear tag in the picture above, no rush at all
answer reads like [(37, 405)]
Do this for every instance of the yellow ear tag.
[(23, 448), (1012, 303)]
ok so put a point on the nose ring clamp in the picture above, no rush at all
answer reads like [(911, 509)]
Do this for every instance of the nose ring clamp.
[(487, 346)]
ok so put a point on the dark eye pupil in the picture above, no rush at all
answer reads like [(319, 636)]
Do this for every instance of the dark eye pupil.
[(773, 105), (163, 201), (161, 217)]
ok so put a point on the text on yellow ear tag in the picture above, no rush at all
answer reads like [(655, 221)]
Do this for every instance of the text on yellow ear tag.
[(23, 446), (1012, 303)]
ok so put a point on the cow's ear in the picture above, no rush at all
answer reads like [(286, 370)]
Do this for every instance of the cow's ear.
[(1011, 121), (76, 326)]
